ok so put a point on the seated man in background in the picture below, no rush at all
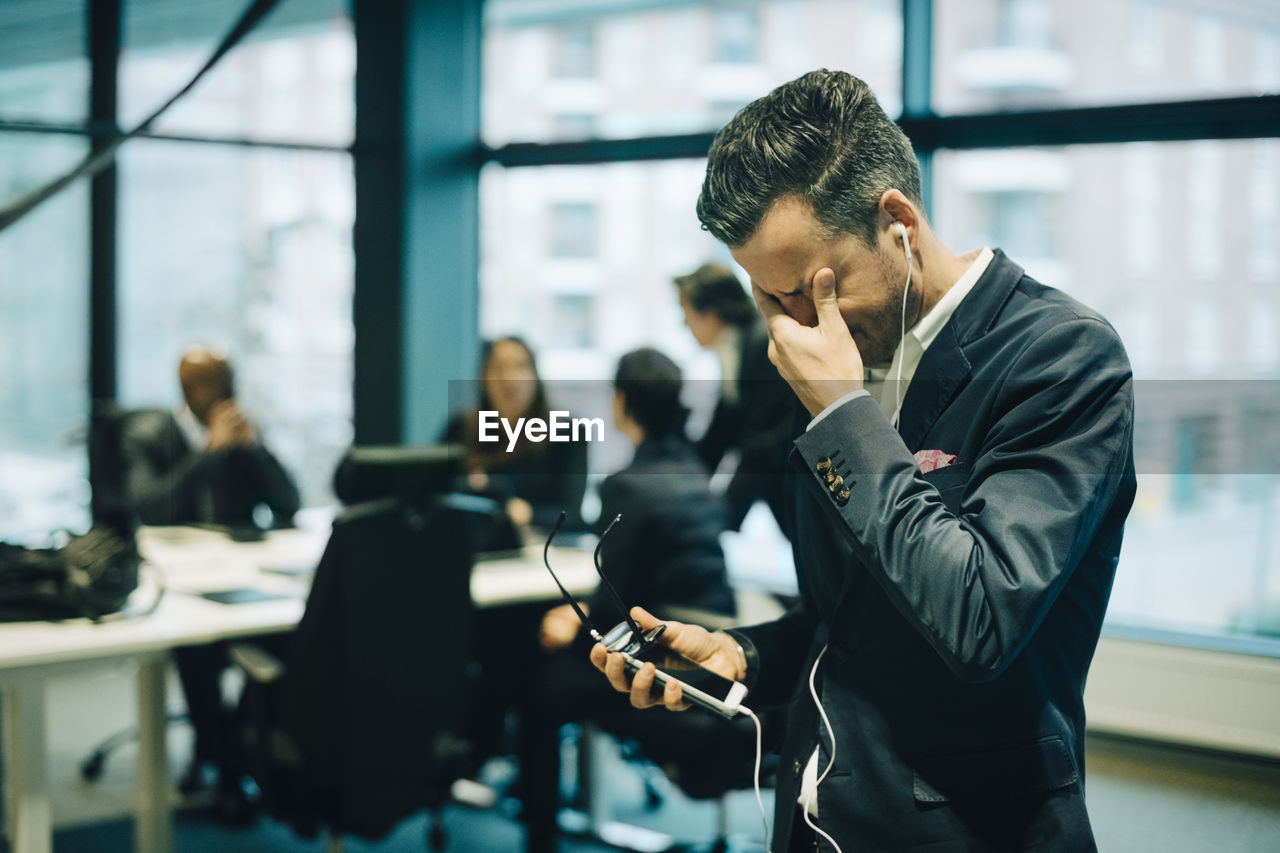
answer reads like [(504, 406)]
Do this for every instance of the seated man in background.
[(665, 552), (205, 463), (755, 409)]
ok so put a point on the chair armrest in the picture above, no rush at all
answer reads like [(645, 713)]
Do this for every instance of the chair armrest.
[(258, 664)]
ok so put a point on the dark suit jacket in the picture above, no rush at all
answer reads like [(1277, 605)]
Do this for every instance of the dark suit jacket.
[(666, 549), (961, 607), (758, 424), (169, 482)]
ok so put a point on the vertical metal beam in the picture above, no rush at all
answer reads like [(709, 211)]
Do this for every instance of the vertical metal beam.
[(917, 80), (104, 58), (416, 244), (380, 179), (442, 217)]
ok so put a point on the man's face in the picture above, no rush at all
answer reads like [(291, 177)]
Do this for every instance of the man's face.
[(790, 247)]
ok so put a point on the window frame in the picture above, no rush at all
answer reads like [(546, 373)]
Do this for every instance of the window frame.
[(104, 22)]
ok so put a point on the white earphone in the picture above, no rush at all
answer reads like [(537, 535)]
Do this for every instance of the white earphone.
[(906, 288), (906, 244)]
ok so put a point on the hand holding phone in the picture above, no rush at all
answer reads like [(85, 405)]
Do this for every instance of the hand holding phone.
[(706, 665), (690, 663)]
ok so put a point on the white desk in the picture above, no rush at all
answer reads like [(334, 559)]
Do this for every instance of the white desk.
[(192, 561)]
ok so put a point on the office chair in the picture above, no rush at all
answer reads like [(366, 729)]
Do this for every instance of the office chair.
[(108, 499), (356, 727), (109, 506)]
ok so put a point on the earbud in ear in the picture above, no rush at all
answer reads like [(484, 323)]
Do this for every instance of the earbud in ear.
[(906, 243)]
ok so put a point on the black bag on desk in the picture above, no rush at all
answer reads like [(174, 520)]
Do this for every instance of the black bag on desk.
[(92, 575)]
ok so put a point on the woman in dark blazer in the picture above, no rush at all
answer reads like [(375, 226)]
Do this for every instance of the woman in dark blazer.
[(755, 412)]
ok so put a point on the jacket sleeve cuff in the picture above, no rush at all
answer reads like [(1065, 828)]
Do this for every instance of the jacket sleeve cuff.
[(749, 654), (852, 395)]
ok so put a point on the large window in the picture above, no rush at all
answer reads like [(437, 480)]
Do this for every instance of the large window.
[(581, 259), (291, 79), (43, 345), (248, 250), (1001, 54), (1174, 241), (245, 246), (44, 74), (43, 269), (646, 68), (1199, 554)]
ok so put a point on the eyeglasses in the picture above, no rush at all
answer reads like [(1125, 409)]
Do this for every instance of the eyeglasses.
[(638, 637)]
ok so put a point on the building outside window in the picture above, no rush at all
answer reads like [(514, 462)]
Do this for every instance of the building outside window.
[(573, 51), (573, 230), (735, 36), (572, 325)]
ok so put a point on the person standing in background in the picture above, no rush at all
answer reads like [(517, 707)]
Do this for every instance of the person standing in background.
[(755, 409)]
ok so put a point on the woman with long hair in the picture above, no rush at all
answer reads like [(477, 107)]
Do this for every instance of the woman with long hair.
[(534, 481)]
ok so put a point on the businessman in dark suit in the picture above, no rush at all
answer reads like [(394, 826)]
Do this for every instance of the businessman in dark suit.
[(205, 463), (956, 531), (755, 407)]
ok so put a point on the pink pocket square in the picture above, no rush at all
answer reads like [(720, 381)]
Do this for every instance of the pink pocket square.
[(932, 460)]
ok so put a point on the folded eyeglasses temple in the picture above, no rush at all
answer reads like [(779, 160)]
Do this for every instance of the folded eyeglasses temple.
[(636, 633), (595, 635)]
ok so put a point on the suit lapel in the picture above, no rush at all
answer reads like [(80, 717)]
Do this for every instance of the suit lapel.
[(944, 368)]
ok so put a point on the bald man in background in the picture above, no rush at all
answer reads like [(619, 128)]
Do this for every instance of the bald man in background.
[(205, 463)]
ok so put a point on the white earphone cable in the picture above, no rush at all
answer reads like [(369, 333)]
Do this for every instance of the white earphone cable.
[(764, 819), (902, 337), (822, 712)]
